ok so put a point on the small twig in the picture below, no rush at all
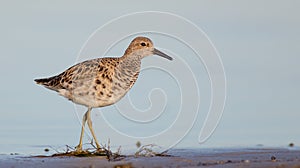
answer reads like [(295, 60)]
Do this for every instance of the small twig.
[(93, 144), (108, 151), (69, 147), (119, 151)]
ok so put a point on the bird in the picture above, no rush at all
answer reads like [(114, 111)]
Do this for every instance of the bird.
[(101, 82)]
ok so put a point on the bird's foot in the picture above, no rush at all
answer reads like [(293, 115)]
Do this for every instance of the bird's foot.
[(78, 149), (99, 148)]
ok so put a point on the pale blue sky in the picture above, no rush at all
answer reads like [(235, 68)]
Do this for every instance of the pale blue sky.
[(258, 42)]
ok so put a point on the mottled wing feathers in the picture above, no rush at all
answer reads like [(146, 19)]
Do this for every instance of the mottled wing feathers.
[(89, 82), (80, 72)]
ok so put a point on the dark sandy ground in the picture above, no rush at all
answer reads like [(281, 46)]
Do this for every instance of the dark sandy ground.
[(236, 157)]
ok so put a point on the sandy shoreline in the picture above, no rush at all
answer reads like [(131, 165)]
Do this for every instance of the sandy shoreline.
[(259, 157)]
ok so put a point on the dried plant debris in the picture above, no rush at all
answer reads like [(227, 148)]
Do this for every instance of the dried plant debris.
[(148, 151), (142, 151), (90, 152), (83, 153)]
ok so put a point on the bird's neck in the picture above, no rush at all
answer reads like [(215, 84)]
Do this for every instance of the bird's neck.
[(131, 62), (130, 66)]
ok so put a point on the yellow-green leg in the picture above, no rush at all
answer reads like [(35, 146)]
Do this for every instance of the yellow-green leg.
[(84, 119), (87, 118), (89, 122)]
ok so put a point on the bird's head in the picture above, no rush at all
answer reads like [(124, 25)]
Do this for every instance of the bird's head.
[(143, 46)]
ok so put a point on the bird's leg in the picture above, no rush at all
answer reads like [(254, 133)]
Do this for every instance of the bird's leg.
[(84, 119), (89, 122)]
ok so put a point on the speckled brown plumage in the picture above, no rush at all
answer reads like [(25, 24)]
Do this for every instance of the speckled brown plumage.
[(102, 81)]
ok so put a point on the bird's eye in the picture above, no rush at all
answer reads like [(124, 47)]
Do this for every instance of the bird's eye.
[(143, 44)]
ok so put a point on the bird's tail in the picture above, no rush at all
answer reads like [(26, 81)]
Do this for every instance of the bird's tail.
[(50, 83), (43, 81)]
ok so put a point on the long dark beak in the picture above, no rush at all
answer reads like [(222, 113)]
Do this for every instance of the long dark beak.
[(157, 52)]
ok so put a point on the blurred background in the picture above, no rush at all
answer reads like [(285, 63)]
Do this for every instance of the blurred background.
[(258, 42)]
